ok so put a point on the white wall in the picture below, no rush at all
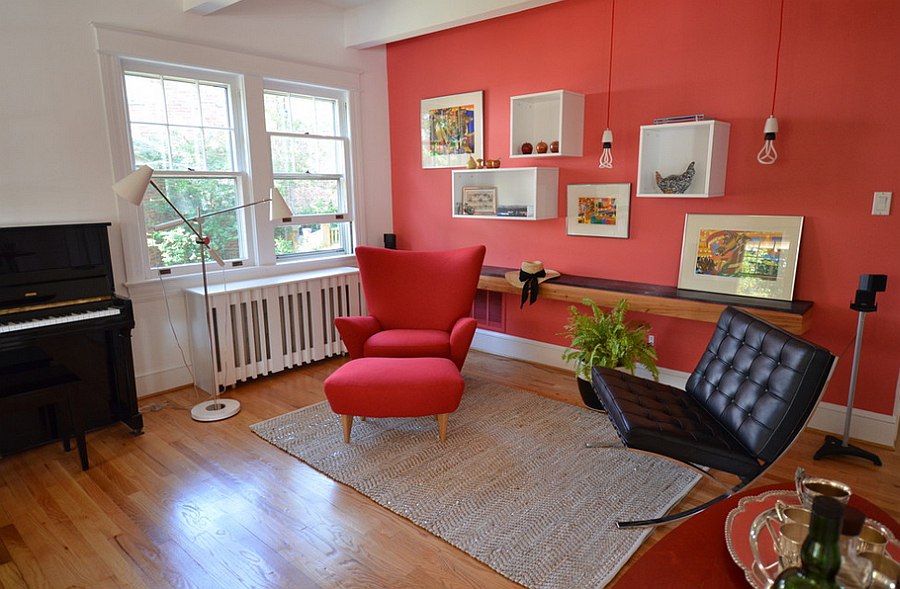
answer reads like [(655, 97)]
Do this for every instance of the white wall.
[(55, 161)]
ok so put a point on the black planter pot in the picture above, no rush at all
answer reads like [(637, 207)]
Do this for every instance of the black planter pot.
[(588, 396)]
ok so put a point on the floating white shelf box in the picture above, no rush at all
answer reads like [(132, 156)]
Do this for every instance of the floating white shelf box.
[(670, 148)]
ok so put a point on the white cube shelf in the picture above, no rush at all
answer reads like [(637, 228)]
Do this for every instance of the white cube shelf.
[(524, 194), (557, 115), (670, 148)]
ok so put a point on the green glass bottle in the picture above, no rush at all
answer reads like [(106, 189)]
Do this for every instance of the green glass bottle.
[(821, 552)]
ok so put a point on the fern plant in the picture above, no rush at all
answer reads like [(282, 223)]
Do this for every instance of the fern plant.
[(605, 339)]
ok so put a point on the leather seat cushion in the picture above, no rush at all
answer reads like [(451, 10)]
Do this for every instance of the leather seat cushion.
[(664, 420)]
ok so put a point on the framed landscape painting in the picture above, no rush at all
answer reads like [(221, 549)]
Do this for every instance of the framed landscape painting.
[(452, 130), (598, 210), (746, 255)]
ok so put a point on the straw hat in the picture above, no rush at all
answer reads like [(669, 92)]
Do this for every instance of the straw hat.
[(530, 267)]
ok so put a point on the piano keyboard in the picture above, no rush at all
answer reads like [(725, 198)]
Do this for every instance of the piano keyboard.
[(58, 319)]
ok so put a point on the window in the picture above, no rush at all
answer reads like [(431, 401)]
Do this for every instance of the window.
[(218, 141), (310, 151), (183, 126)]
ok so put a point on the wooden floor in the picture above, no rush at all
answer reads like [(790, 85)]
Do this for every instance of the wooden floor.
[(192, 504)]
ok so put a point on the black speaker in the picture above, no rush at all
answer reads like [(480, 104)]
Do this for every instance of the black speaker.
[(390, 241), (869, 285), (873, 282)]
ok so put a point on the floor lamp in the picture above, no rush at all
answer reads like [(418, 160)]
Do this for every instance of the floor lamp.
[(869, 284), (132, 188)]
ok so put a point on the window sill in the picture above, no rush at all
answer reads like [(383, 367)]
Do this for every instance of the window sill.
[(147, 290)]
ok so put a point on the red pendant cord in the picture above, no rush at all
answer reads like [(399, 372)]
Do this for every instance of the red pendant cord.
[(777, 56), (612, 26)]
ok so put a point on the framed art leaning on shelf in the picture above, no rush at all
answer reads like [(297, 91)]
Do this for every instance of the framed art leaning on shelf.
[(479, 200), (746, 255)]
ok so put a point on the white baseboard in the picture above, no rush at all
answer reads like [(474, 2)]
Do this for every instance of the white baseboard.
[(162, 380), (866, 426)]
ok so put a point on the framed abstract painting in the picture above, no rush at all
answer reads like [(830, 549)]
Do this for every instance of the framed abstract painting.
[(452, 130), (746, 255), (598, 210)]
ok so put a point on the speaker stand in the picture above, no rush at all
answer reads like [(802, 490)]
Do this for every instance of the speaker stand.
[(832, 445)]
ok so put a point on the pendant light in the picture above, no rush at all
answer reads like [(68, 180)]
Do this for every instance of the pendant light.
[(767, 155), (606, 158)]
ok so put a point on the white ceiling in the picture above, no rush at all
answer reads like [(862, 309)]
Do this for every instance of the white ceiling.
[(346, 3), (368, 23)]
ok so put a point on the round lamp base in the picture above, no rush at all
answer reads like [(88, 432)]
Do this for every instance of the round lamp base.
[(215, 409)]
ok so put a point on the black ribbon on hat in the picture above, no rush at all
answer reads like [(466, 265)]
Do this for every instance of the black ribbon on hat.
[(530, 285)]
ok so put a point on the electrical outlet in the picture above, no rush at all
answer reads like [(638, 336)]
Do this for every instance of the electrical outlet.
[(881, 203), (651, 339)]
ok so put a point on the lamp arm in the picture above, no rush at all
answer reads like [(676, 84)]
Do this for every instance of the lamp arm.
[(170, 224), (174, 208), (235, 208)]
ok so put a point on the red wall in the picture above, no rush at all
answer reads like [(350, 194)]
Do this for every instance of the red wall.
[(837, 105)]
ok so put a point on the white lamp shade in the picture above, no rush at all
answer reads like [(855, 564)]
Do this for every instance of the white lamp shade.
[(133, 186), (278, 208)]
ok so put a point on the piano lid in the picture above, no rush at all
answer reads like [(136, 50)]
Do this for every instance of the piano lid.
[(52, 264)]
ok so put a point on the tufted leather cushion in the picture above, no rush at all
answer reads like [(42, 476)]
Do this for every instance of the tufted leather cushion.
[(661, 419), (750, 395)]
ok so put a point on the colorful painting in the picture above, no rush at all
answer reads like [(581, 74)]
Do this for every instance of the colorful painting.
[(744, 255), (598, 210), (723, 252), (451, 129)]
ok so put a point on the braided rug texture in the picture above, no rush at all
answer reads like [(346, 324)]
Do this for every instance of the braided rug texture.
[(513, 484)]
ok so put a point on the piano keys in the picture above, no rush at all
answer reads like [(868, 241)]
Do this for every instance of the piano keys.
[(58, 305)]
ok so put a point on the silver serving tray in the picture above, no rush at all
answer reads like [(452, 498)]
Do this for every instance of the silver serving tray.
[(745, 525)]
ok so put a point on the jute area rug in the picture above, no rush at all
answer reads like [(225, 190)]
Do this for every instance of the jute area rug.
[(513, 484)]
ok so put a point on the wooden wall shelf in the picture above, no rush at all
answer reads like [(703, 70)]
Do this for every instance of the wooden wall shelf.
[(667, 301)]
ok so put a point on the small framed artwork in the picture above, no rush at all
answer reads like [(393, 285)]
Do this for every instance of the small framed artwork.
[(746, 255), (452, 130), (598, 210), (478, 200)]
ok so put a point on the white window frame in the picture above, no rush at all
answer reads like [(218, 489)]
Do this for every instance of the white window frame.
[(240, 172), (347, 218), (115, 44)]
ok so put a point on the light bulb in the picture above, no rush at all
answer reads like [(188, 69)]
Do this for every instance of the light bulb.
[(767, 155), (606, 158)]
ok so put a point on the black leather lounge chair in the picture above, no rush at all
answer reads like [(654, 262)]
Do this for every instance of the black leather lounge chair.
[(747, 400)]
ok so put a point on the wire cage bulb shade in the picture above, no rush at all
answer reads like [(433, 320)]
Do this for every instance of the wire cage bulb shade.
[(133, 186), (278, 208), (767, 155), (606, 159)]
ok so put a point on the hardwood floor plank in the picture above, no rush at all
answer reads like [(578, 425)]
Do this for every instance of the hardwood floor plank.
[(211, 505)]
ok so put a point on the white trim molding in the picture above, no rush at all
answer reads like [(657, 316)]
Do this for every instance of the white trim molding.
[(866, 426)]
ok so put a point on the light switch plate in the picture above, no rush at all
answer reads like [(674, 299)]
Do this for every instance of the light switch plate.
[(881, 204)]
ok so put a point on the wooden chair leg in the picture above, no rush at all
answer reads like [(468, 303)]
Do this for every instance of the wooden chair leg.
[(347, 422), (442, 425)]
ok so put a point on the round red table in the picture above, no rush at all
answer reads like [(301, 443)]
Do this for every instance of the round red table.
[(695, 555)]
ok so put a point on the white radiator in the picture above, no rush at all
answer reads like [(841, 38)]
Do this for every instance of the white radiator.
[(264, 326)]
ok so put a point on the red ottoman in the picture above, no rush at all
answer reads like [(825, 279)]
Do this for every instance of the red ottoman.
[(395, 387)]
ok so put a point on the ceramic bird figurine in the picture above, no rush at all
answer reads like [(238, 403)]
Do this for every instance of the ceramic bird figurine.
[(676, 183)]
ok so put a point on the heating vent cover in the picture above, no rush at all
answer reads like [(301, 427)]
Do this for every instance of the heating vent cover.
[(265, 326)]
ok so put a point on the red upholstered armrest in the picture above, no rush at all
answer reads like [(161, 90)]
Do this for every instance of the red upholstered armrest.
[(460, 339), (355, 331)]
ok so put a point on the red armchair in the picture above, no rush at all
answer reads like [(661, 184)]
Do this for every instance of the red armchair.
[(419, 304)]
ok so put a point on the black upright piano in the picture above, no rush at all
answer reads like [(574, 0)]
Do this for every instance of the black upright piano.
[(58, 306)]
